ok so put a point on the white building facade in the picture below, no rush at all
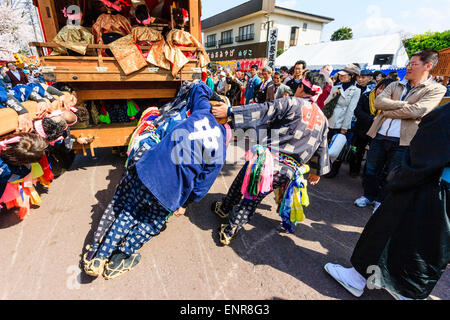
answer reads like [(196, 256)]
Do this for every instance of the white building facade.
[(246, 27)]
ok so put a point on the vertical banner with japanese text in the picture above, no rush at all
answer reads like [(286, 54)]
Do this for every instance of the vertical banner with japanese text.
[(272, 47)]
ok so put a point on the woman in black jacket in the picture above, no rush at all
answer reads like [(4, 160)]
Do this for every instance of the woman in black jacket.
[(365, 112)]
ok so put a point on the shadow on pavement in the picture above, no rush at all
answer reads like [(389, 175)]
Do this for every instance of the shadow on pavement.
[(103, 197), (332, 200), (264, 245), (9, 218)]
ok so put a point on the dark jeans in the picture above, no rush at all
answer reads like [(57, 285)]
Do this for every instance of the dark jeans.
[(385, 152), (359, 142)]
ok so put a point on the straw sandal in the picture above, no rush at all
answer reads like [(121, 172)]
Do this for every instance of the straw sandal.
[(224, 238), (115, 269), (94, 267), (216, 208)]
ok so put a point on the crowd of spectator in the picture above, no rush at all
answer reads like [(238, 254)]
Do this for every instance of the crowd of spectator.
[(11, 75), (379, 116)]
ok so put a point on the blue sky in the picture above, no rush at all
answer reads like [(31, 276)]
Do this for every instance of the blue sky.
[(365, 17)]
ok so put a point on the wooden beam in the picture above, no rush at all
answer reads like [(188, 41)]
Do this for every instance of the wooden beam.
[(125, 94), (77, 60), (194, 19), (124, 85), (96, 46), (90, 77), (112, 135), (49, 18)]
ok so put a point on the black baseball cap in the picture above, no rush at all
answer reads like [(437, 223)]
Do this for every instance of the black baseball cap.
[(366, 72)]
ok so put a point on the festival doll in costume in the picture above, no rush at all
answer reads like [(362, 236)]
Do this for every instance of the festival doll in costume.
[(73, 38), (111, 25), (297, 135), (160, 180), (169, 56), (177, 38), (129, 56)]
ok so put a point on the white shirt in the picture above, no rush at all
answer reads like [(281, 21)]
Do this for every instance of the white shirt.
[(16, 74), (264, 84), (391, 128)]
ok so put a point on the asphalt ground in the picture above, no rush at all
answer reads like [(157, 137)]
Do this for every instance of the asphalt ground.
[(41, 255)]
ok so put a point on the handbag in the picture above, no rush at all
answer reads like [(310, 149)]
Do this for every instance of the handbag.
[(337, 145), (328, 109)]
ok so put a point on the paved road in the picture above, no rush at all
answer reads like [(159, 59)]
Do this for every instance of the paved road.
[(41, 255)]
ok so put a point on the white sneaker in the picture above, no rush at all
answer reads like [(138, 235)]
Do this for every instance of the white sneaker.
[(363, 202), (375, 206), (337, 272)]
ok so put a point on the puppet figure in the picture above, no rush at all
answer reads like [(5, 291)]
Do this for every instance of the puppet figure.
[(111, 25), (73, 38)]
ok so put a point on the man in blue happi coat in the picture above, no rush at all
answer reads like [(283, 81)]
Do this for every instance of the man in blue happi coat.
[(161, 180)]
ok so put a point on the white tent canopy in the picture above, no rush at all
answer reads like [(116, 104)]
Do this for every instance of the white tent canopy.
[(340, 53)]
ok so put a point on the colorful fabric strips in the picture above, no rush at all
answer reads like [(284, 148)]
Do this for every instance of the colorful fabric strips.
[(295, 196), (259, 175), (132, 109), (22, 194)]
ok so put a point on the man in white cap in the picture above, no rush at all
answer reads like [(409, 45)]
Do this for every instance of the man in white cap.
[(220, 89)]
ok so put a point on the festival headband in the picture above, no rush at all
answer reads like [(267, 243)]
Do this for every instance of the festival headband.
[(72, 16), (54, 114), (147, 21), (5, 143), (39, 127), (52, 143), (314, 88)]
